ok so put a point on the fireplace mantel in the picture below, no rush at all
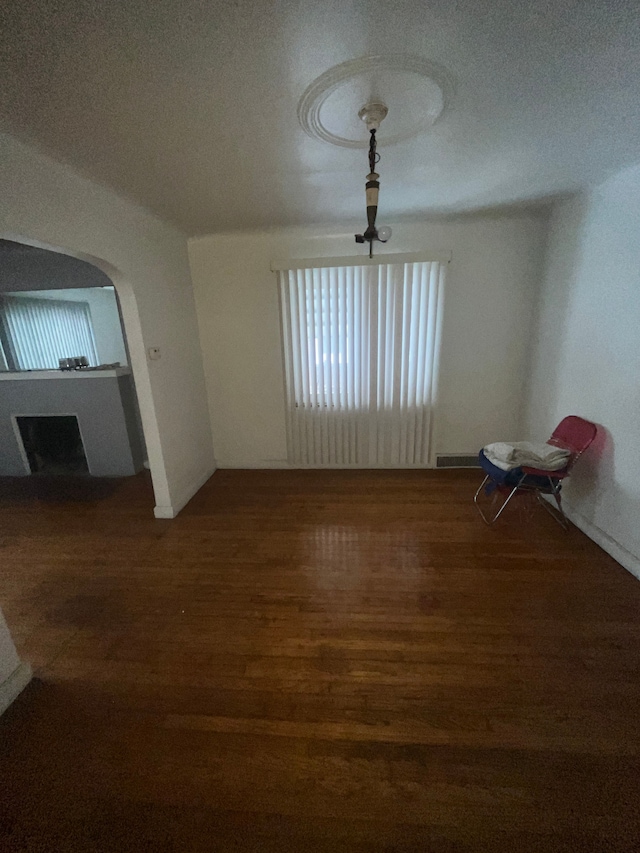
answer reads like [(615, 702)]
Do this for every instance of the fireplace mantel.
[(84, 373)]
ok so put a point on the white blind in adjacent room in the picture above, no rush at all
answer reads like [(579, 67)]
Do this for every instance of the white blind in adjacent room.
[(361, 349), (39, 332)]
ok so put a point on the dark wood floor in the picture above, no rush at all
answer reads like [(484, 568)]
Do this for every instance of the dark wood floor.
[(304, 661)]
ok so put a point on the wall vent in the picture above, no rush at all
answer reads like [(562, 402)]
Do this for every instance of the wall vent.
[(457, 461)]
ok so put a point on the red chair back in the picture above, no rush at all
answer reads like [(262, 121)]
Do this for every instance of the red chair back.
[(574, 434)]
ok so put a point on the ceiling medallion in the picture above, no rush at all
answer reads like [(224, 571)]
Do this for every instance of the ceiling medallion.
[(419, 90)]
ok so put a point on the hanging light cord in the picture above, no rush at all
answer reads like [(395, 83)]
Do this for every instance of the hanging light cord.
[(374, 157)]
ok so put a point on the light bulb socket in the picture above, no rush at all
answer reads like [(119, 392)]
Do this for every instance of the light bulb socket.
[(373, 114)]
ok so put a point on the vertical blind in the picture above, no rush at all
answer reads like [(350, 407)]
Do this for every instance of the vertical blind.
[(361, 349), (37, 333)]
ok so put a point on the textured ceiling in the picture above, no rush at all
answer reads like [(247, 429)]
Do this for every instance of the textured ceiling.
[(189, 107)]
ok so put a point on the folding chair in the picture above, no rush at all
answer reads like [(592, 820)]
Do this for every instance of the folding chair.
[(573, 434)]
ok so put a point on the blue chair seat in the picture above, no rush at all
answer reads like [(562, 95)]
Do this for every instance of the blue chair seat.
[(512, 477)]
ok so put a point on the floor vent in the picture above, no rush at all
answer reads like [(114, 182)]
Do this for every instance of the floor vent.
[(457, 461)]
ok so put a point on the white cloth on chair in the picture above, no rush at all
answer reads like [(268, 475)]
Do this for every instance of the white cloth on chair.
[(528, 453)]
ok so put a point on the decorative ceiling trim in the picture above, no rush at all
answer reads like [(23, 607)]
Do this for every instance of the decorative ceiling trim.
[(313, 99)]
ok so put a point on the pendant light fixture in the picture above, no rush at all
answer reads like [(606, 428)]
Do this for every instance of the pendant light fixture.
[(372, 115)]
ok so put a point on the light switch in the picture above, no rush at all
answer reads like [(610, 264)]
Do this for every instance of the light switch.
[(154, 353)]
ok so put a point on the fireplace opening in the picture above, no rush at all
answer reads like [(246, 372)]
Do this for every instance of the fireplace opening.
[(53, 444)]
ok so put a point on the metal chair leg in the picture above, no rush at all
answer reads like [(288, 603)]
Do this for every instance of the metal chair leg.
[(475, 500), (558, 515), (504, 504), (480, 487)]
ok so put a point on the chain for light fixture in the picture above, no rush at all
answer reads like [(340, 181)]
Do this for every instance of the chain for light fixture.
[(372, 115)]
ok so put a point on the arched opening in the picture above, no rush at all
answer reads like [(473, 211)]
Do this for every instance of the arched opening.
[(40, 271)]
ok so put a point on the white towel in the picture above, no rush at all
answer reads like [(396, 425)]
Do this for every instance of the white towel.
[(499, 463), (531, 454)]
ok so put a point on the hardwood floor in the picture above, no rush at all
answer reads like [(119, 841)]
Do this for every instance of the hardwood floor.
[(314, 661)]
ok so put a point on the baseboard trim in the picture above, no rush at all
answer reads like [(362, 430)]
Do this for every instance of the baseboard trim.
[(619, 553), (283, 465), (173, 510), (13, 686), (252, 465)]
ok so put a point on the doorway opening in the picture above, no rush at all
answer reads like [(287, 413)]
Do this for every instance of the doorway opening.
[(69, 404)]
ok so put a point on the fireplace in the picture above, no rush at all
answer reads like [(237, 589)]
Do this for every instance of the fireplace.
[(52, 444), (100, 402)]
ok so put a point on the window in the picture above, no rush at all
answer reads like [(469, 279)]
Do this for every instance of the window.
[(361, 346), (37, 333)]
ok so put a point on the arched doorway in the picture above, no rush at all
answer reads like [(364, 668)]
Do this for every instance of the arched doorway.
[(40, 267)]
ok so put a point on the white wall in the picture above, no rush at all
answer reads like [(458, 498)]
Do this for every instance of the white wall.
[(488, 303), (105, 319), (8, 655), (48, 204), (14, 676), (107, 328), (587, 355)]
